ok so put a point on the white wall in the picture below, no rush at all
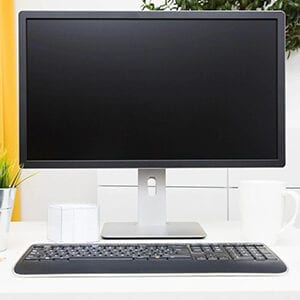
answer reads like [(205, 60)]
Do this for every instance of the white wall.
[(192, 193)]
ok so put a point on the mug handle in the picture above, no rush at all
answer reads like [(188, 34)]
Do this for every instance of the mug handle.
[(295, 196)]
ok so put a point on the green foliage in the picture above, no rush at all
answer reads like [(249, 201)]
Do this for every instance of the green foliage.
[(10, 176), (4, 171), (290, 7), (292, 30)]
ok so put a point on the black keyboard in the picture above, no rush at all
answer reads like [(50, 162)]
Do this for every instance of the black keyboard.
[(64, 259)]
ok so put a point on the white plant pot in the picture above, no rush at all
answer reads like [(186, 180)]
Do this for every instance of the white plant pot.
[(7, 199)]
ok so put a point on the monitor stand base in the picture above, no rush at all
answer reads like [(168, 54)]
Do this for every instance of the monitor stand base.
[(152, 217), (171, 230)]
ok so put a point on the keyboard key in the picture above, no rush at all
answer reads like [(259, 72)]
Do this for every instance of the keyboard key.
[(202, 258), (212, 258), (270, 256), (224, 258), (244, 258), (260, 257)]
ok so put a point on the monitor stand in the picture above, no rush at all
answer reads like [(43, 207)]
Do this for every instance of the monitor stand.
[(152, 214)]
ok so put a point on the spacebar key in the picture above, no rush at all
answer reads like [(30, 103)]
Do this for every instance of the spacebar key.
[(180, 256), (107, 258)]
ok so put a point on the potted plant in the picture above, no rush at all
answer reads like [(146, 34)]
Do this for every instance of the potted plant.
[(10, 179)]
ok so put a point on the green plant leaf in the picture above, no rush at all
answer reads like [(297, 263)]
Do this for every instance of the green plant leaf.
[(27, 177), (9, 173)]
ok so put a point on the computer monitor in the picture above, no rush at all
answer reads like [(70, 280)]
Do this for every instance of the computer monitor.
[(151, 90)]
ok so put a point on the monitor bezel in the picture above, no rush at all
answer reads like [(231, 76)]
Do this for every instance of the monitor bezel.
[(195, 163)]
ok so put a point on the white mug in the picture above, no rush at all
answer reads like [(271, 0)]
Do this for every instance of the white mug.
[(262, 205)]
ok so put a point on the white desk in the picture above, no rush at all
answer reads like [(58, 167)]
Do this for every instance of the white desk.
[(23, 234)]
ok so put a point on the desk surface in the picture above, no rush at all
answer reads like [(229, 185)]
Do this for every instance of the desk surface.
[(22, 234)]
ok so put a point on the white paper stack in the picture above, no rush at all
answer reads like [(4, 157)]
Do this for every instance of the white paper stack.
[(73, 223)]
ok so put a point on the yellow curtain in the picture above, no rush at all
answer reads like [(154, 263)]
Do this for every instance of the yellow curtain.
[(8, 88)]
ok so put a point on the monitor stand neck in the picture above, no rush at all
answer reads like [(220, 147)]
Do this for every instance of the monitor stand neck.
[(152, 213), (152, 197)]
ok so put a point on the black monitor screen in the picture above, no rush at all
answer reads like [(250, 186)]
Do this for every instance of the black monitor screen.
[(151, 89)]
